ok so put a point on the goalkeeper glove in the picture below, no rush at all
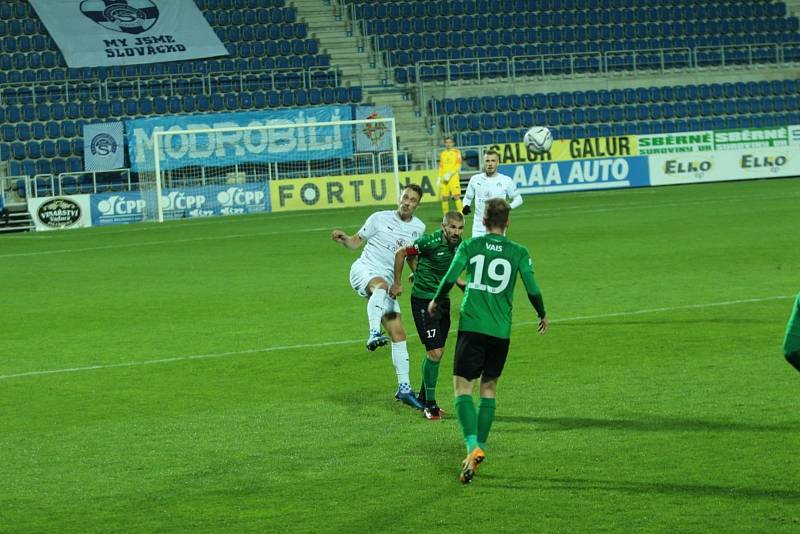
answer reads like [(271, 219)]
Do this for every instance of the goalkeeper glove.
[(466, 209)]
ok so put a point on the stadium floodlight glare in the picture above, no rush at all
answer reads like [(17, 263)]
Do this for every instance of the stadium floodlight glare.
[(228, 170)]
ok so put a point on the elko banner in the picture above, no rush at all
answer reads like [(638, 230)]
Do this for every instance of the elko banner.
[(103, 33)]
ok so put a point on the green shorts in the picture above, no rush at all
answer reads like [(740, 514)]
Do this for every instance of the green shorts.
[(791, 343)]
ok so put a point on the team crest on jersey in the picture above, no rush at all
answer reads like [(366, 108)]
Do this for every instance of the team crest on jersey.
[(400, 242), (125, 16)]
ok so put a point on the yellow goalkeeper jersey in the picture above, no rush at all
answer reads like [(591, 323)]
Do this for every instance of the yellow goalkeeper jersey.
[(449, 161)]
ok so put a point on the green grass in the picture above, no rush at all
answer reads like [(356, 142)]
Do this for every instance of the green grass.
[(269, 415)]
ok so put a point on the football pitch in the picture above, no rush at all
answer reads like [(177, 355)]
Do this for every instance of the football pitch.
[(210, 375)]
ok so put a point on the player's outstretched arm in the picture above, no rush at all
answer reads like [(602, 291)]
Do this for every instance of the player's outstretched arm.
[(349, 241), (534, 293), (468, 196)]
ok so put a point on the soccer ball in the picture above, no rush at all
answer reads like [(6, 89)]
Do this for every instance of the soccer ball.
[(538, 139)]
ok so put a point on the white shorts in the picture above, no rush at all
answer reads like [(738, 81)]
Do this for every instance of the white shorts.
[(360, 275)]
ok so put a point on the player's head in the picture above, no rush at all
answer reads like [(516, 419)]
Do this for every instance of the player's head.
[(491, 159), (453, 226), (495, 217), (449, 143), (409, 200)]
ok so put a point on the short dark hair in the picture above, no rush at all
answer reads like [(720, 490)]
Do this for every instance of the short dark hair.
[(496, 214), (414, 187), (455, 216)]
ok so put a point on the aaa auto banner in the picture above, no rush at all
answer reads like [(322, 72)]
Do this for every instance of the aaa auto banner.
[(580, 175), (290, 141)]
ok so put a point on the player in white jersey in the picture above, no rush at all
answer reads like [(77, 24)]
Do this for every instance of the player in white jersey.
[(372, 274), (487, 185)]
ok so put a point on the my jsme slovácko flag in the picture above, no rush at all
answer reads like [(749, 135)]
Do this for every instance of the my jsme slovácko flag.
[(104, 33)]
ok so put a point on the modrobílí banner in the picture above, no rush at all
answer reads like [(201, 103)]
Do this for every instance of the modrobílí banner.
[(190, 142)]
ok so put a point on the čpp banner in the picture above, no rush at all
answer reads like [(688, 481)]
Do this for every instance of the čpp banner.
[(103, 146), (190, 142), (104, 33), (181, 203), (373, 136)]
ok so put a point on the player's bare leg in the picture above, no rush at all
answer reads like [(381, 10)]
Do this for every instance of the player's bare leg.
[(377, 289), (394, 327)]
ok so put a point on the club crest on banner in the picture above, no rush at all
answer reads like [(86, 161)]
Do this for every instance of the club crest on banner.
[(374, 131), (125, 16)]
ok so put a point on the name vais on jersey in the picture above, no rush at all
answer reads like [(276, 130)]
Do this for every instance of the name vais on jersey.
[(494, 248)]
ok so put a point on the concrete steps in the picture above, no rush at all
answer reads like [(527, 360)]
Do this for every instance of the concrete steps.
[(350, 53)]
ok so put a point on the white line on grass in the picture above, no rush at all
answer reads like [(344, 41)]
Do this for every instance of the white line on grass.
[(159, 242), (544, 212), (353, 341)]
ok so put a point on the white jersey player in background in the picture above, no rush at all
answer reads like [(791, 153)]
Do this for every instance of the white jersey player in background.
[(485, 186), (372, 274)]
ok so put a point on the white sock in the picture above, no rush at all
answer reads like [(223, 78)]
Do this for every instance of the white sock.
[(400, 361), (375, 309)]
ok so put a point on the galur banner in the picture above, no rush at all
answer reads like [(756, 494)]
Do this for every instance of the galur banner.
[(570, 149), (106, 33), (188, 146)]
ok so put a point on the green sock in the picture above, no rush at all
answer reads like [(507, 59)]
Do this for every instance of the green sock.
[(430, 374), (465, 408), (485, 418)]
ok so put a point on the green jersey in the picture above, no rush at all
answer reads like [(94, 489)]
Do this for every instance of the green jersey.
[(791, 343), (492, 262), (435, 255)]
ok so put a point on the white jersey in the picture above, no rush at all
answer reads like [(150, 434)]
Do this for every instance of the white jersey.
[(482, 188), (385, 232)]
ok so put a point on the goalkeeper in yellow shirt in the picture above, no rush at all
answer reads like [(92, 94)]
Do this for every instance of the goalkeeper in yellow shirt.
[(449, 179)]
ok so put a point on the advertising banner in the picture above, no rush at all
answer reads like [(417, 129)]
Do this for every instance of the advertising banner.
[(794, 135), (676, 143), (117, 208), (570, 149), (349, 191), (105, 33), (724, 166), (103, 146), (748, 138), (373, 137), (581, 175), (57, 213), (128, 207), (188, 147)]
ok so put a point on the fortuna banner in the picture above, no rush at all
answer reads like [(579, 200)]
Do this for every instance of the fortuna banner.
[(104, 33)]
